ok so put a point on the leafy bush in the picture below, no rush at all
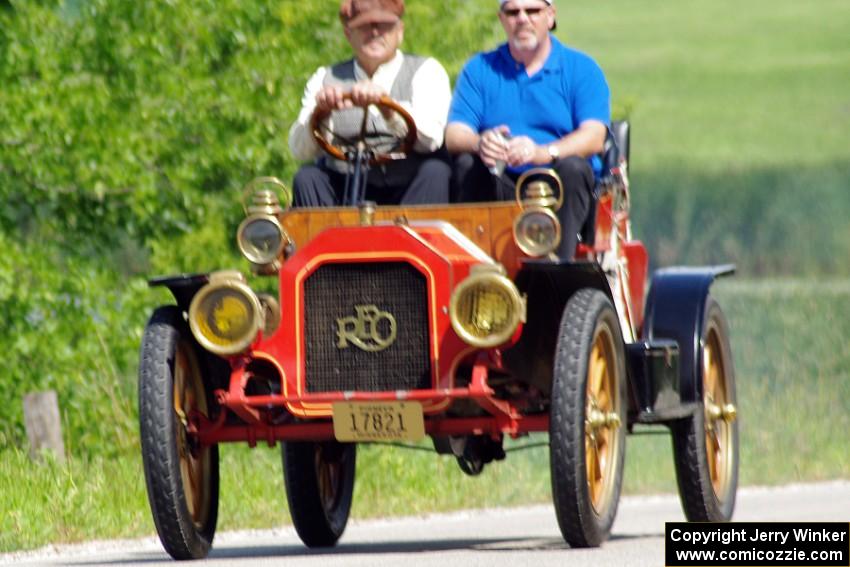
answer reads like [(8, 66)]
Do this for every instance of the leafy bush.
[(71, 327), (126, 132)]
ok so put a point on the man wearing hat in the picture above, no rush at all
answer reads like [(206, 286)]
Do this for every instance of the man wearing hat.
[(374, 29), (532, 102)]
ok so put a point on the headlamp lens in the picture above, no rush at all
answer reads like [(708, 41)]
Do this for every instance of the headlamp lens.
[(261, 239)]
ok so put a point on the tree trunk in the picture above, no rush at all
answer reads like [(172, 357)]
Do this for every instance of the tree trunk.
[(44, 426)]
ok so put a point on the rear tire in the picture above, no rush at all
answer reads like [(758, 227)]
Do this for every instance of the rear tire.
[(181, 476), (705, 446), (319, 479), (588, 419)]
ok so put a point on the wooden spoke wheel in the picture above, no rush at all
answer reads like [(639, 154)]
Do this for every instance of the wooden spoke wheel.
[(181, 475), (587, 419), (319, 479), (705, 447)]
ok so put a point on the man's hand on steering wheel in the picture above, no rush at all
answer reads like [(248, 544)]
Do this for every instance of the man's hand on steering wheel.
[(329, 98), (364, 93)]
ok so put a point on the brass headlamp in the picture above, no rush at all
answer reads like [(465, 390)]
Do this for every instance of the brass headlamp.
[(537, 230), (486, 308), (225, 316), (260, 237)]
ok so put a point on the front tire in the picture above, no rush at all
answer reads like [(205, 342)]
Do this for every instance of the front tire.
[(705, 446), (587, 419), (181, 476), (319, 479)]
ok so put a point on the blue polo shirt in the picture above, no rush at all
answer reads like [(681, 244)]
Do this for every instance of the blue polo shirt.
[(494, 89)]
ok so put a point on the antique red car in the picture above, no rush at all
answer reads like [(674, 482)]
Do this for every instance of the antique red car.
[(454, 322)]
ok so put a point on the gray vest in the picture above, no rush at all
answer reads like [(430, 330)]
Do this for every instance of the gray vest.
[(347, 123)]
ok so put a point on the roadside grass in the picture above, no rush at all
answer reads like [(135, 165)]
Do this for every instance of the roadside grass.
[(723, 85), (739, 117), (792, 361), (82, 499)]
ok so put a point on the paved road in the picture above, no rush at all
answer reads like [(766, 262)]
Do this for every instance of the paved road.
[(489, 538)]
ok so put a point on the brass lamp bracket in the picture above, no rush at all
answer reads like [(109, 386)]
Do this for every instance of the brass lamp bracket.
[(262, 192), (540, 187)]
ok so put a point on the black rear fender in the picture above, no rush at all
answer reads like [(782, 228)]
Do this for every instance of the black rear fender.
[(675, 310)]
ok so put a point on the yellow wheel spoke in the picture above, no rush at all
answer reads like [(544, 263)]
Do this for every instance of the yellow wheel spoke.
[(594, 469), (603, 400), (602, 452), (718, 432), (711, 447), (189, 397), (708, 367), (597, 372)]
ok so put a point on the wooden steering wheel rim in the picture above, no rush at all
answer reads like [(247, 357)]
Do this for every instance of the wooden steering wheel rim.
[(379, 158)]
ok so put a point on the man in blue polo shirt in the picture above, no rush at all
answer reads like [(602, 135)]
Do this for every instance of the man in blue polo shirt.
[(531, 102)]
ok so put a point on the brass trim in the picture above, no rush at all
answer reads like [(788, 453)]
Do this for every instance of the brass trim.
[(263, 264), (226, 280), (544, 201), (533, 249), (224, 275), (367, 213), (493, 275), (264, 199), (271, 313), (353, 329)]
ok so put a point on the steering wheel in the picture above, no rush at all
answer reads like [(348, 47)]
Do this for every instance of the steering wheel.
[(369, 141)]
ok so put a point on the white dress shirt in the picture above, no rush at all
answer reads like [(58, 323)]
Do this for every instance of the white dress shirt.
[(429, 107)]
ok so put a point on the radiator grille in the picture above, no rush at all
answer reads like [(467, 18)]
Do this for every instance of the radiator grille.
[(334, 292)]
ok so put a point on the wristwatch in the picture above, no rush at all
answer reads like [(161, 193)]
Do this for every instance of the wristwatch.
[(554, 152)]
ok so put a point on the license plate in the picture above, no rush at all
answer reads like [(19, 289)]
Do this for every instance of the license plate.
[(378, 421)]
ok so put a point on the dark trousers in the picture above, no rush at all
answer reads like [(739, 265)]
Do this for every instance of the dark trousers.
[(473, 182), (417, 180)]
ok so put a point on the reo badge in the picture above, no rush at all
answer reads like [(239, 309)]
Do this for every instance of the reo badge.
[(364, 330)]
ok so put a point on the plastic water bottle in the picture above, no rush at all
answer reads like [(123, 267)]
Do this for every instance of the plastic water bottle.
[(499, 167)]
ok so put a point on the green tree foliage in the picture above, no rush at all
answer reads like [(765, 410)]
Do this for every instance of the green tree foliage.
[(126, 131), (132, 115)]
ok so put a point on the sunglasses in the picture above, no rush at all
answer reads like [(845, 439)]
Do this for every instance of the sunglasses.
[(530, 12)]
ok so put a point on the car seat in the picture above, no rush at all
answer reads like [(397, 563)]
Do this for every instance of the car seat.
[(614, 154)]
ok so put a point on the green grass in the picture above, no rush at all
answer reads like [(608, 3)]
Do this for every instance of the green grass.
[(722, 84), (739, 118), (792, 360), (84, 499)]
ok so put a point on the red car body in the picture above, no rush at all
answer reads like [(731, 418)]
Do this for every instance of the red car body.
[(366, 340)]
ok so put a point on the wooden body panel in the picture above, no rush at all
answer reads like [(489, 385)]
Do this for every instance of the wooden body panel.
[(489, 225)]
